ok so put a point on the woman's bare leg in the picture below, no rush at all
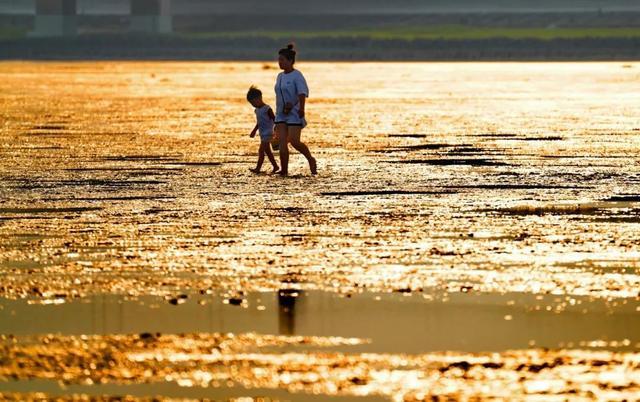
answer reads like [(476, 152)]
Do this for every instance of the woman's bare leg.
[(281, 129), (294, 139)]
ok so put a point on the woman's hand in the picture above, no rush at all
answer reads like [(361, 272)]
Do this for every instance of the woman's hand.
[(287, 107), (301, 113)]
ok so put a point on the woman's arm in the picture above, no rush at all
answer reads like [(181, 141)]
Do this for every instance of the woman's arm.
[(302, 100), (302, 90)]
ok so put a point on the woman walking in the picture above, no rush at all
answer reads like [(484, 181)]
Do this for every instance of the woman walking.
[(291, 95)]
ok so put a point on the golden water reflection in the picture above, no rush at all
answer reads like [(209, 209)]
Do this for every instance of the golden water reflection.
[(438, 179)]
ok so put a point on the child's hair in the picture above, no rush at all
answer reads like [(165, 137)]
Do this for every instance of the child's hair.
[(289, 52), (254, 93)]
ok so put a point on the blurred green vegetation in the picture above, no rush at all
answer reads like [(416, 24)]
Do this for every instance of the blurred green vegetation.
[(12, 33), (446, 32), (434, 32)]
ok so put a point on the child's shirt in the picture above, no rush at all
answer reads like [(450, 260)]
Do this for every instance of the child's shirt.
[(265, 122), (288, 88)]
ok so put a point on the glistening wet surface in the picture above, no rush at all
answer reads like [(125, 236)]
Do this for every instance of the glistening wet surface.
[(466, 217)]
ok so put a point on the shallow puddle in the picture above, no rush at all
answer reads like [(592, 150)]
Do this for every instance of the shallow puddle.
[(390, 322)]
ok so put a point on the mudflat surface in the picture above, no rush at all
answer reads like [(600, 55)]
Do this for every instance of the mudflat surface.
[(472, 232)]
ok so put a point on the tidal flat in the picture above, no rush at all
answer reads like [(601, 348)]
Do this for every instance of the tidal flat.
[(472, 233)]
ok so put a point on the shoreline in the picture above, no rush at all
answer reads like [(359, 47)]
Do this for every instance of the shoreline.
[(174, 47)]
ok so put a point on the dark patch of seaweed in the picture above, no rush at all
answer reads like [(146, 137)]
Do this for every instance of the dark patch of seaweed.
[(451, 162)]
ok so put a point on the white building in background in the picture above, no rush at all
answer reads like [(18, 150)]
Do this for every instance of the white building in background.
[(152, 16), (55, 18), (60, 17)]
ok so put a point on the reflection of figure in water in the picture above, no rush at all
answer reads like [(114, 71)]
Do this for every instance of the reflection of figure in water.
[(291, 94), (286, 311)]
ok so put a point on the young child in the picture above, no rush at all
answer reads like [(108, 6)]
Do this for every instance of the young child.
[(265, 121)]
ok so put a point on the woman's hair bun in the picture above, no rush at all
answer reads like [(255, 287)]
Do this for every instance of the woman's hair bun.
[(288, 52)]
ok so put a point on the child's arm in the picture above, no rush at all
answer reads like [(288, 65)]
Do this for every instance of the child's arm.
[(271, 115), (253, 132)]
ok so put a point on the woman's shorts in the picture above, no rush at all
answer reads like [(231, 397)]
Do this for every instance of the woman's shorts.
[(291, 119)]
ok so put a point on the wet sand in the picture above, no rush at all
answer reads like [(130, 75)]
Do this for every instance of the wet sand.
[(472, 232)]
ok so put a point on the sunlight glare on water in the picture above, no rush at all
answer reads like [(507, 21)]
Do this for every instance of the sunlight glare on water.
[(132, 179), (142, 168)]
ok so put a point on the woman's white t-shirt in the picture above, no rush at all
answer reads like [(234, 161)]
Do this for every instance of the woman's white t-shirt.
[(288, 87)]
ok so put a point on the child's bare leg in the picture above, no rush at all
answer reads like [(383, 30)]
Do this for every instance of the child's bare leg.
[(267, 150), (260, 159)]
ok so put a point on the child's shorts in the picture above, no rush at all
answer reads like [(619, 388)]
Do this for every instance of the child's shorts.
[(266, 138)]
